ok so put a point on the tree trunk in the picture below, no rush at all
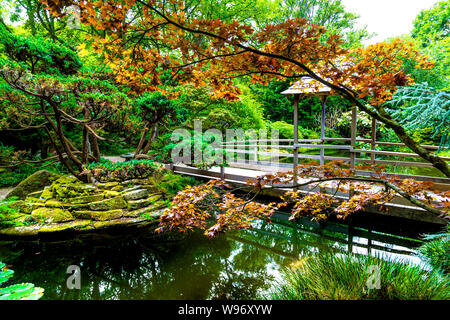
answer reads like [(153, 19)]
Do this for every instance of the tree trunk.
[(141, 141), (151, 139)]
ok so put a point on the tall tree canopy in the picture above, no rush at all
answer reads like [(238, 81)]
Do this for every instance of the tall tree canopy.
[(142, 38)]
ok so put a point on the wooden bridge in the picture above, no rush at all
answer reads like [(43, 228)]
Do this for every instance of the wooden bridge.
[(253, 158)]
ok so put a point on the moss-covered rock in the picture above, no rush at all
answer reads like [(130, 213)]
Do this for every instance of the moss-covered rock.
[(46, 194), (154, 198), (37, 181), (51, 215), (99, 215), (146, 211), (35, 195), (69, 187), (107, 185), (110, 193), (87, 199), (109, 204), (137, 204), (136, 194), (26, 207)]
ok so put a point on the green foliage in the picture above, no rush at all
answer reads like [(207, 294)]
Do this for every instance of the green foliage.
[(9, 214), (38, 54), (286, 131), (330, 276), (170, 184), (328, 13), (120, 171), (437, 250), (421, 106), (11, 176), (196, 104), (22, 291), (432, 24)]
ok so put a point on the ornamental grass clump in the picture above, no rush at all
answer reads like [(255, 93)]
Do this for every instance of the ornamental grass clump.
[(436, 252), (333, 276)]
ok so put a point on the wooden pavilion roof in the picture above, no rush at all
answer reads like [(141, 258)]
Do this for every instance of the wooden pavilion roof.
[(308, 86)]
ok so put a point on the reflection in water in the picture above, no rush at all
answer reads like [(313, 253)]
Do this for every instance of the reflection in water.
[(239, 265)]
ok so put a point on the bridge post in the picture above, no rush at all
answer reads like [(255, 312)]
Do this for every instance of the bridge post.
[(322, 130), (373, 138), (353, 137), (295, 165), (353, 144)]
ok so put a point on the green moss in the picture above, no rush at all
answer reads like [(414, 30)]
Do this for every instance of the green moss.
[(137, 204), (51, 215), (87, 199), (99, 215), (109, 204), (37, 181), (136, 194)]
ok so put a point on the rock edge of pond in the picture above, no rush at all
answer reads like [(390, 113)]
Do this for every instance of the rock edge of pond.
[(68, 208)]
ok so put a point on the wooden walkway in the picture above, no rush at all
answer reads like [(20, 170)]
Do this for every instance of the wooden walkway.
[(241, 172)]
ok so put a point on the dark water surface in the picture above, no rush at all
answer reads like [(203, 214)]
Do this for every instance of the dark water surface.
[(238, 265)]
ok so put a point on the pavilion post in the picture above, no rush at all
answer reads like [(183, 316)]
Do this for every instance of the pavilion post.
[(322, 130), (296, 98), (353, 137), (373, 139)]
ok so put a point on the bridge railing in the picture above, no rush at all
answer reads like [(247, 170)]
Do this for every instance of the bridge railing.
[(257, 150)]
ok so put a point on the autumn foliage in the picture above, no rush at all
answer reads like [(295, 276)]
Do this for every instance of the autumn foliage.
[(321, 192)]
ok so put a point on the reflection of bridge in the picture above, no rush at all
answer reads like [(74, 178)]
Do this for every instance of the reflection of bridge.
[(309, 234)]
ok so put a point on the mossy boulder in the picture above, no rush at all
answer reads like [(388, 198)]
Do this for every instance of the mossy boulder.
[(148, 211), (136, 194), (137, 204), (37, 181), (87, 199), (99, 215), (68, 187), (108, 204), (51, 215)]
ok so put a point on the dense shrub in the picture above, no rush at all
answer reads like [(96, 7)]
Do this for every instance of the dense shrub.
[(120, 171)]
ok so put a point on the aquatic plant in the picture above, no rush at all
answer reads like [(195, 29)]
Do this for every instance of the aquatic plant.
[(21, 291), (437, 251), (333, 276)]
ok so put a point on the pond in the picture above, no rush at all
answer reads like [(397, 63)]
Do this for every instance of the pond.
[(237, 265)]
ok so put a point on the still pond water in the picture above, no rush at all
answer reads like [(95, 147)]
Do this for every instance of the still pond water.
[(238, 265)]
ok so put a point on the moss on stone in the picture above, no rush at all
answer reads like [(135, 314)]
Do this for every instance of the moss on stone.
[(51, 215), (87, 199), (136, 194), (109, 204), (99, 215), (37, 181), (154, 198), (146, 210), (137, 204), (111, 194)]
